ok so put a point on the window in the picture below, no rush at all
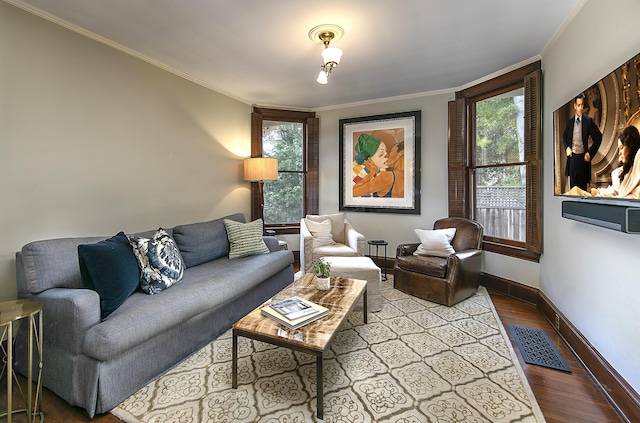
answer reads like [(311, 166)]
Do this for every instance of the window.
[(292, 138), (497, 166), (495, 162)]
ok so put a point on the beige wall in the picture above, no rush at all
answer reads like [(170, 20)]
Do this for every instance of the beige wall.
[(93, 141), (591, 273), (394, 228)]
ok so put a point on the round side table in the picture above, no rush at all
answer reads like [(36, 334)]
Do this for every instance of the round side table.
[(10, 312), (380, 243)]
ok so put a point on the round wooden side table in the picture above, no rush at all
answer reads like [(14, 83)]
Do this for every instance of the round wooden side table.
[(10, 312), (380, 243)]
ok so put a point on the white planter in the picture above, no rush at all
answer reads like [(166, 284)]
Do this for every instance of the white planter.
[(323, 283)]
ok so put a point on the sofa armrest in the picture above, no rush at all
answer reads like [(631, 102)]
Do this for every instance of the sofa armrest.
[(468, 254), (354, 239), (272, 243), (406, 249), (67, 314), (465, 264), (306, 247)]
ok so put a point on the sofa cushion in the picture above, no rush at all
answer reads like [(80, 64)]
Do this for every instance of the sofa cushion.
[(160, 261), (245, 239), (110, 268), (210, 285), (334, 250), (204, 241), (435, 242)]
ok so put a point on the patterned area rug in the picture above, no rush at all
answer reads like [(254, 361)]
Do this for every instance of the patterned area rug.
[(415, 361)]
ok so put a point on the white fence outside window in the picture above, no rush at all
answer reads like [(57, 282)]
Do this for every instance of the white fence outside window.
[(502, 211)]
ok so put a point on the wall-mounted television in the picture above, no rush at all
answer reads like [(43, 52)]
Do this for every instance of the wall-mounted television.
[(612, 103)]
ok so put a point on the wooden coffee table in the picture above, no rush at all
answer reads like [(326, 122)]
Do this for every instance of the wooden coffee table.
[(313, 338)]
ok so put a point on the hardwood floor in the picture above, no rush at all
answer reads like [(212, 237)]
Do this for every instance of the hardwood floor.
[(563, 397)]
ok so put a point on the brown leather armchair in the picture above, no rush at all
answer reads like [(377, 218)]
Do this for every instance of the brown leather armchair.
[(444, 280)]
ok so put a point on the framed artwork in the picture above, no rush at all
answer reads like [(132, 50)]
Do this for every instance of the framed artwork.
[(380, 163)]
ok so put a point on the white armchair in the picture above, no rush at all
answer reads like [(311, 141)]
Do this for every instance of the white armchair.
[(328, 235)]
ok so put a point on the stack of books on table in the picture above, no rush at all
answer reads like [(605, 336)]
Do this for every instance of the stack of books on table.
[(294, 312)]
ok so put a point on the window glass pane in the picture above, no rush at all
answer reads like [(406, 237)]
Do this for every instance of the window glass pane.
[(283, 140), (500, 129), (500, 201), (283, 199)]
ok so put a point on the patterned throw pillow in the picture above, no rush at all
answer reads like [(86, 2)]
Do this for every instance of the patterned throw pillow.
[(160, 261), (245, 239)]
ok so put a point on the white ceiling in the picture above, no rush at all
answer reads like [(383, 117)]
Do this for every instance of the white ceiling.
[(258, 51)]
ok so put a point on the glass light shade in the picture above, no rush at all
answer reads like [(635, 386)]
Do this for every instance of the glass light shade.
[(331, 54), (260, 169), (323, 78)]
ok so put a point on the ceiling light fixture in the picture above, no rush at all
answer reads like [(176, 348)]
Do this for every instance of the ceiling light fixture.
[(330, 55)]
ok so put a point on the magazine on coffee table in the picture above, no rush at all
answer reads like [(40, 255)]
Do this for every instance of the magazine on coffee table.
[(294, 312), (293, 308)]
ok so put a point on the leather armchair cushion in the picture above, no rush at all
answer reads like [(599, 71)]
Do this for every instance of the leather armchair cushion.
[(427, 265), (334, 250)]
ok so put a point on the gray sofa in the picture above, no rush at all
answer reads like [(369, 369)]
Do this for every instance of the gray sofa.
[(95, 364)]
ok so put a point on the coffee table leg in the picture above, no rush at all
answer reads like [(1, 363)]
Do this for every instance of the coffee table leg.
[(234, 361), (319, 388), (364, 305)]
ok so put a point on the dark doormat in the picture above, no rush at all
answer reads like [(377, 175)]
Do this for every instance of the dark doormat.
[(536, 348)]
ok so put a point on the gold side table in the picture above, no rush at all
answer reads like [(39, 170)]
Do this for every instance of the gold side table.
[(10, 312)]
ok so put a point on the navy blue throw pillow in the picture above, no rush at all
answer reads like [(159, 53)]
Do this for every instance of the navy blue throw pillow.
[(110, 268)]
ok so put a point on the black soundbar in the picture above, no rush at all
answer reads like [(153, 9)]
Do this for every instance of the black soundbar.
[(617, 217)]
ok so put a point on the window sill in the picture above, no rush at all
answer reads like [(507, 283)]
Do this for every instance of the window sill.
[(511, 251), (284, 229)]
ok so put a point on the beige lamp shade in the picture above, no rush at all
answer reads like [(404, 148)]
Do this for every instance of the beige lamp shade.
[(260, 169)]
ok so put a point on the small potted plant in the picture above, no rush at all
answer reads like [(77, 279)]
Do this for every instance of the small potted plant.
[(322, 269)]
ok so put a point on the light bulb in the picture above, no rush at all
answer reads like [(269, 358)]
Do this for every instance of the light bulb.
[(323, 77)]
